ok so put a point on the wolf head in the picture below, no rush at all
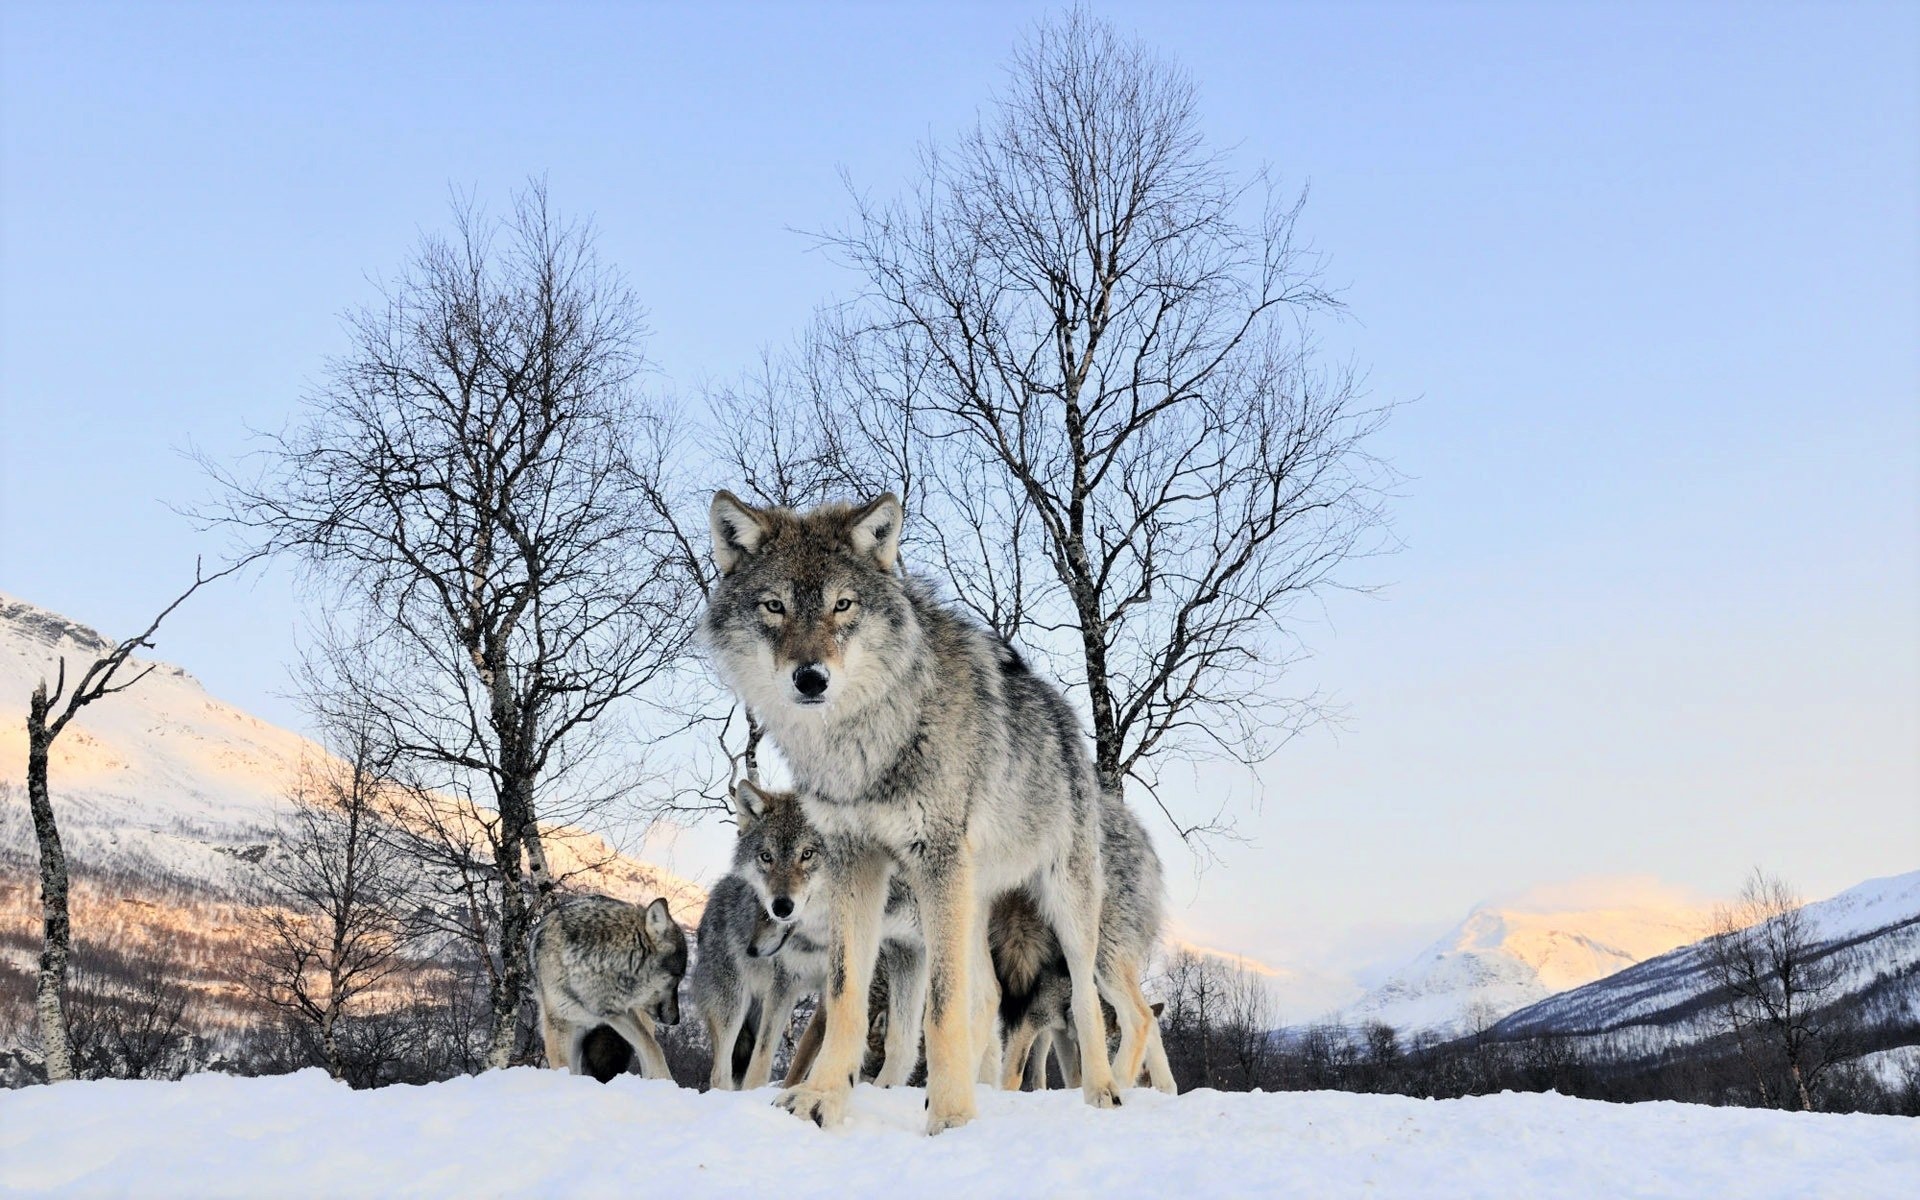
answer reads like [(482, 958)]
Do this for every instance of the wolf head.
[(666, 946), (779, 854), (809, 611)]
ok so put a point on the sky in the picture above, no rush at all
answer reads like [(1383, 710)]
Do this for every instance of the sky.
[(1643, 281)]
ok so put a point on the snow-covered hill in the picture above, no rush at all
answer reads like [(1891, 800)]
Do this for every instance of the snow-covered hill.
[(167, 798), (1871, 932), (1505, 956), (526, 1132)]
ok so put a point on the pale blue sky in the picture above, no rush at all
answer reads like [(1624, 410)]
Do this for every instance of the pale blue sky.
[(1650, 276)]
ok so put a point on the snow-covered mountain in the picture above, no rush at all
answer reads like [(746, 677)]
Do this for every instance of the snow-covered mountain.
[(1870, 933), (1505, 956), (167, 799)]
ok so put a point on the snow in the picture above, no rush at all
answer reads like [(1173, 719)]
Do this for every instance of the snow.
[(1504, 957), (1877, 922), (527, 1132)]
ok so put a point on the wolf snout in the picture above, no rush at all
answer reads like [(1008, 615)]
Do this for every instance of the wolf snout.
[(810, 680), (667, 1012), (782, 908)]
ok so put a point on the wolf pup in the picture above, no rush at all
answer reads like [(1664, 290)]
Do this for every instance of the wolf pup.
[(1034, 989), (921, 743), (601, 961), (763, 945)]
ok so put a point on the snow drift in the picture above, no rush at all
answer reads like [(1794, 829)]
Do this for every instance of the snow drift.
[(542, 1133)]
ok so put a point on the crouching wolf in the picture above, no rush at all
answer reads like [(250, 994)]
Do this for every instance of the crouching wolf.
[(599, 961), (922, 744), (763, 946)]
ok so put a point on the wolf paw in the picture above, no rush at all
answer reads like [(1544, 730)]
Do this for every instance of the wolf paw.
[(825, 1108), (1102, 1097), (945, 1118)]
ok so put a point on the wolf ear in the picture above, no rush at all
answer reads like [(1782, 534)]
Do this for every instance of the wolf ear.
[(738, 529), (749, 802), (659, 920), (875, 530)]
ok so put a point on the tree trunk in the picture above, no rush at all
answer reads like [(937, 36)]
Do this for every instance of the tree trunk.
[(56, 945), (1800, 1084), (514, 927), (330, 1042)]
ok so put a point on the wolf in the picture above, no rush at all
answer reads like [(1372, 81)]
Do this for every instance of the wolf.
[(1032, 972), (600, 961), (1034, 986), (1035, 990), (920, 743), (763, 946)]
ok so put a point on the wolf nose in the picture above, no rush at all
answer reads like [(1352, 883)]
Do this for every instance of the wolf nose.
[(810, 680), (782, 908)]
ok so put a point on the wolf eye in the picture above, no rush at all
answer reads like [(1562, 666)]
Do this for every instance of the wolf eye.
[(773, 606), (842, 604), (806, 854), (766, 856)]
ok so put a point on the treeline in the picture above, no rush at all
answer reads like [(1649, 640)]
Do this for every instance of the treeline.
[(1219, 1033)]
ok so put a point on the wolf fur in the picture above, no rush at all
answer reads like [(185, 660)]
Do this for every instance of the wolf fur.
[(763, 946), (601, 961), (1035, 989), (922, 744)]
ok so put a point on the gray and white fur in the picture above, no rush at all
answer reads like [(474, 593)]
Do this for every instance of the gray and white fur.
[(763, 946), (920, 743), (1035, 989), (601, 961)]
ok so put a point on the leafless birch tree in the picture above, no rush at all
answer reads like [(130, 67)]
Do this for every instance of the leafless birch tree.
[(1090, 341), (1775, 981), (48, 714), (471, 483), (331, 914)]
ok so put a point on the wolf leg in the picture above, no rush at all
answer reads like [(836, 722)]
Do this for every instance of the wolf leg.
[(775, 1009), (728, 1013), (1121, 986), (1158, 1069), (858, 892), (555, 1039), (906, 1010), (1022, 1042), (986, 1006), (1066, 1048), (947, 911), (1033, 1078), (1072, 906), (808, 1047), (637, 1028)]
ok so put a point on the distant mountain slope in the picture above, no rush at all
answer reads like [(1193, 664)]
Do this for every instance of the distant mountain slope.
[(1507, 956), (167, 799), (1872, 931)]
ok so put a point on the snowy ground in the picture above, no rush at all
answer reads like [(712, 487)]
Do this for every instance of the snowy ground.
[(528, 1132)]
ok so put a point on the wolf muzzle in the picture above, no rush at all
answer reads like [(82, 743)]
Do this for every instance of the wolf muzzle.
[(810, 680)]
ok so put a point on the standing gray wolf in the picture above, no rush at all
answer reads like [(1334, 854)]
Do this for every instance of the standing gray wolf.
[(600, 961), (763, 945), (1035, 990), (920, 743)]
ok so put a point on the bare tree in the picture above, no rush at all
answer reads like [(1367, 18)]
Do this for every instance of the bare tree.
[(1091, 339), (332, 910), (1775, 982), (473, 483), (47, 717), (132, 1024)]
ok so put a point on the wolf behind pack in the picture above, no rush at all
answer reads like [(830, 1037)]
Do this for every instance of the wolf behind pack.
[(920, 742), (1035, 991), (763, 946), (600, 961)]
